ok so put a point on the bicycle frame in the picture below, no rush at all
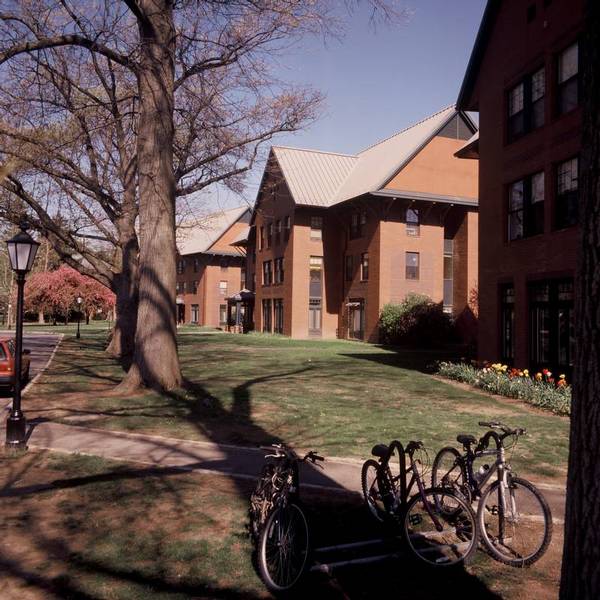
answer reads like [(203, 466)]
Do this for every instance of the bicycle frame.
[(402, 497)]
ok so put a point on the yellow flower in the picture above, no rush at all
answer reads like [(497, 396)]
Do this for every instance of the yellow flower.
[(563, 376), (538, 376), (526, 372), (503, 368)]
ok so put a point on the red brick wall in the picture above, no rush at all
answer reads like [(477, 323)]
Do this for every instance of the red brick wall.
[(515, 49)]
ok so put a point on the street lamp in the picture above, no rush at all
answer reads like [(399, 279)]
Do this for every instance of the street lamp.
[(79, 301), (21, 251)]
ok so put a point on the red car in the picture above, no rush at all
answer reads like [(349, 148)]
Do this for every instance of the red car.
[(7, 363)]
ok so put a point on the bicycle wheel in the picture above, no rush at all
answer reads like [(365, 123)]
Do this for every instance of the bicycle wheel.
[(440, 536), (283, 548), (518, 530), (448, 472), (261, 500), (371, 488)]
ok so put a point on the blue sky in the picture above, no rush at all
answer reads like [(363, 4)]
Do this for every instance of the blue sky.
[(377, 82)]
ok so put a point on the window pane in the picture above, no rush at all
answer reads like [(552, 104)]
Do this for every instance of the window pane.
[(537, 187), (538, 85), (516, 195), (568, 63), (567, 176), (412, 215), (448, 273), (515, 100)]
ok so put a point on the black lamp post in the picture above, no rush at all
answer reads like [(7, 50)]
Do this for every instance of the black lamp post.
[(21, 250), (79, 301)]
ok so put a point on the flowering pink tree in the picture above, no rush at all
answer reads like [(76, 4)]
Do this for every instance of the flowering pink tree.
[(57, 291)]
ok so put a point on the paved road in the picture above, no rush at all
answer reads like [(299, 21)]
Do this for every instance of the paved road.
[(41, 345)]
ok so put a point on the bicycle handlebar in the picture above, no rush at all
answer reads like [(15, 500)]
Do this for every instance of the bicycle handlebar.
[(281, 451), (505, 428)]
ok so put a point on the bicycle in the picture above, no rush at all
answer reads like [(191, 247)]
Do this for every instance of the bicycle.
[(438, 537), (513, 517), (278, 523)]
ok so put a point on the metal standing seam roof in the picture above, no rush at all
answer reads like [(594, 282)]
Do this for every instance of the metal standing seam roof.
[(317, 178), (197, 238), (312, 176)]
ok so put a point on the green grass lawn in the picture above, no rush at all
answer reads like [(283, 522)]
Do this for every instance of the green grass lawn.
[(336, 396), (90, 529)]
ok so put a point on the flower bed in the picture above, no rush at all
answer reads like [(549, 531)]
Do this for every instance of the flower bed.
[(541, 390)]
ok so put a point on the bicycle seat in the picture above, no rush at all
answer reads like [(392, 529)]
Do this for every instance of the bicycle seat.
[(380, 450), (466, 439)]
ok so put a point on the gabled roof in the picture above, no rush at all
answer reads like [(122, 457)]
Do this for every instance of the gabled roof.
[(317, 178), (485, 30), (197, 238), (379, 163), (313, 177)]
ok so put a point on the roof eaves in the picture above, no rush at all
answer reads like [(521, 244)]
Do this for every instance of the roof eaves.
[(410, 195), (487, 22)]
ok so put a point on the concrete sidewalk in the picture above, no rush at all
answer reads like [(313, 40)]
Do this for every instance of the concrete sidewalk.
[(338, 474)]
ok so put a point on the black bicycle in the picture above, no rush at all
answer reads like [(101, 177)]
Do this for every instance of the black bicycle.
[(513, 516), (438, 537), (277, 522)]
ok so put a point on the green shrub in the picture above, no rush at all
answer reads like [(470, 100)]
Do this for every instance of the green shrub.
[(417, 321), (543, 393)]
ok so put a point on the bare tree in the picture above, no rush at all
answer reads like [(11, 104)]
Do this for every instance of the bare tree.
[(195, 97), (581, 557)]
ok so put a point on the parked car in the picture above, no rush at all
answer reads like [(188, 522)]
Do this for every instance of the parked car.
[(7, 363)]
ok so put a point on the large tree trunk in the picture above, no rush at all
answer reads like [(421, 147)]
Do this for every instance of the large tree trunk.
[(155, 362), (581, 559)]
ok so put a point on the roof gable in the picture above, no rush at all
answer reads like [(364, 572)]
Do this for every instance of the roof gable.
[(316, 178), (379, 163), (313, 177), (201, 237)]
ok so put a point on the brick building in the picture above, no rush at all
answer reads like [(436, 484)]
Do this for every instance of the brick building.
[(334, 237), (522, 78), (209, 267)]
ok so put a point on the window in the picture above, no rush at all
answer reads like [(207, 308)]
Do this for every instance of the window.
[(567, 193), (412, 222), (223, 314), (278, 270), (526, 105), (261, 238), (243, 278), (266, 316), (315, 295), (526, 207), (267, 272), (278, 316), (196, 265), (193, 287), (412, 265), (507, 323), (277, 231), (356, 319), (180, 287), (181, 266), (364, 266), (349, 267), (316, 228), (195, 313), (223, 288), (287, 226), (448, 275), (551, 326), (358, 220), (269, 235), (568, 80)]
